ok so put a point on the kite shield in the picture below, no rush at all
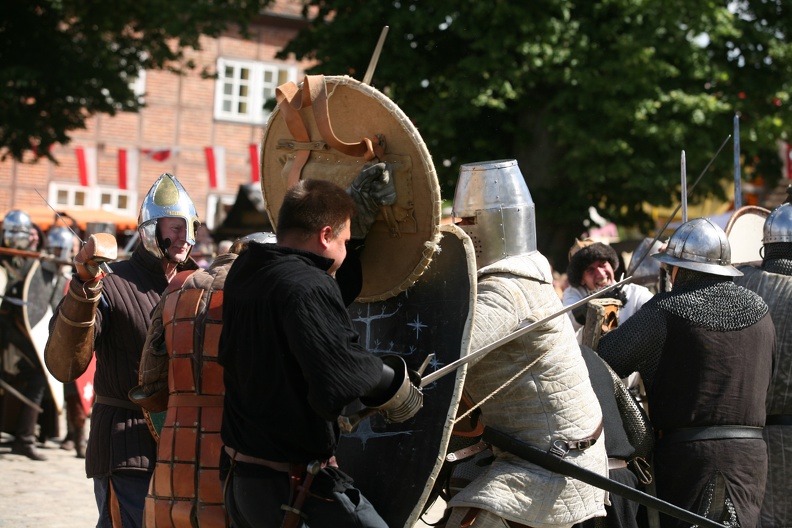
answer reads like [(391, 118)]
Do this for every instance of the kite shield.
[(41, 288), (744, 231), (395, 465), (307, 137)]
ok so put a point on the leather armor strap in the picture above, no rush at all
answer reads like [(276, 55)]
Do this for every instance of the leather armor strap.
[(715, 432), (562, 447), (195, 400), (467, 452), (292, 99), (236, 456)]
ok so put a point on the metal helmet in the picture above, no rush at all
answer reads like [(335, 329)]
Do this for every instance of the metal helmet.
[(261, 237), (166, 198), (60, 242), (16, 229), (494, 194), (700, 245), (778, 225)]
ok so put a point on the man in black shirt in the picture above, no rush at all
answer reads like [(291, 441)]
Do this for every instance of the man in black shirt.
[(292, 362)]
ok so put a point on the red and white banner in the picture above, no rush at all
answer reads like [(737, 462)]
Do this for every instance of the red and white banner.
[(157, 154), (254, 162), (128, 169), (215, 164), (86, 165)]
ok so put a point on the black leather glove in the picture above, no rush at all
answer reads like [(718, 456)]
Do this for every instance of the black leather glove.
[(616, 293), (371, 188)]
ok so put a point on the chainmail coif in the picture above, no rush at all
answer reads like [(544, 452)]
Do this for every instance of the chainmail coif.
[(712, 302), (778, 258)]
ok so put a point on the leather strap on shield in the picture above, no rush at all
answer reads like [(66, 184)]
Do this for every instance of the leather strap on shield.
[(314, 94), (70, 345), (309, 136)]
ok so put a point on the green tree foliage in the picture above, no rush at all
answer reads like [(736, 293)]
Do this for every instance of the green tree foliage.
[(62, 61), (596, 100)]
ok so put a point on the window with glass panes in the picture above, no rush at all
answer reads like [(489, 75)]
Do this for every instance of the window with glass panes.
[(244, 87)]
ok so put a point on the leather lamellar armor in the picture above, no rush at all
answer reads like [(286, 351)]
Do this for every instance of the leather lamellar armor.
[(186, 488)]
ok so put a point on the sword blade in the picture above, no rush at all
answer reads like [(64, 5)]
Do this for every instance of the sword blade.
[(522, 329), (632, 267), (375, 57)]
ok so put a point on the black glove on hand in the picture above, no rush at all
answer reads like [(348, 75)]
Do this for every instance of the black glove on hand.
[(372, 188), (616, 293)]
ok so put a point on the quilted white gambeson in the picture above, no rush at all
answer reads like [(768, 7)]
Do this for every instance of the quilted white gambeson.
[(552, 400)]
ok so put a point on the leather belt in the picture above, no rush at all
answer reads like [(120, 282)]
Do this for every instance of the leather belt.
[(115, 402), (713, 432), (616, 463), (240, 457), (195, 400), (778, 419)]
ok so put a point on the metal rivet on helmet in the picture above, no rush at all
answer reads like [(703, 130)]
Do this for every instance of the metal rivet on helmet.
[(778, 225), (700, 245)]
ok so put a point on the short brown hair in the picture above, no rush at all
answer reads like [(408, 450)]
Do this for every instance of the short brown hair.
[(310, 205)]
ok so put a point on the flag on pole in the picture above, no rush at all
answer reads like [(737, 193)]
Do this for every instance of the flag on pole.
[(128, 169), (254, 163), (215, 164), (86, 165)]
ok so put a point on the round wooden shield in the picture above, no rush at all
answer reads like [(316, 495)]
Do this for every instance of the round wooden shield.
[(744, 231), (318, 130)]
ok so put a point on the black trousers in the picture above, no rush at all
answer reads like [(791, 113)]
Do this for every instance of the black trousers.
[(254, 495)]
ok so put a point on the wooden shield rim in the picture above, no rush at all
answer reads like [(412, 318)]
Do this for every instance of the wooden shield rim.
[(411, 131), (742, 211)]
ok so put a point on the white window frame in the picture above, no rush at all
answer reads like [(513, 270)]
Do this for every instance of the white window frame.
[(214, 207), (229, 89), (92, 198)]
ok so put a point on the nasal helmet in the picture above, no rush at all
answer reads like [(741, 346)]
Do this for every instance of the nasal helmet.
[(498, 211), (778, 225), (16, 229), (700, 245), (166, 199), (60, 242)]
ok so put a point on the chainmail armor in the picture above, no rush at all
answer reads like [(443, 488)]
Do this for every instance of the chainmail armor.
[(712, 302), (716, 503), (778, 258)]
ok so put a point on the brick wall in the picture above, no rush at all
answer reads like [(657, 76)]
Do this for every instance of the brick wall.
[(178, 115)]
